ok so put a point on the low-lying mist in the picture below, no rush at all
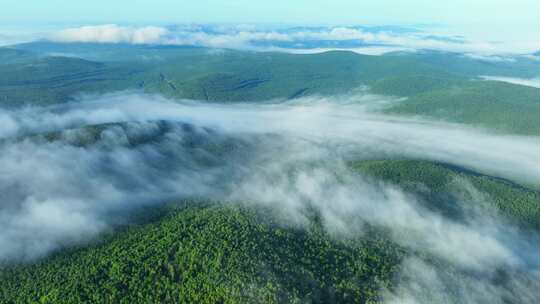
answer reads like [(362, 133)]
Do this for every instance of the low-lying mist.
[(63, 182)]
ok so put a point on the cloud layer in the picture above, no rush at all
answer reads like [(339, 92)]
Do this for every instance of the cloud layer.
[(367, 40), (70, 185)]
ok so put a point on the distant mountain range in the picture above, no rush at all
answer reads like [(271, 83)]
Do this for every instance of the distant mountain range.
[(433, 82)]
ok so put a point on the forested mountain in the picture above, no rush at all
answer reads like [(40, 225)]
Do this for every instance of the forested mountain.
[(175, 174)]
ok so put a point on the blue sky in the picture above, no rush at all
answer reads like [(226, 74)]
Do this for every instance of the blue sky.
[(487, 20), (460, 13)]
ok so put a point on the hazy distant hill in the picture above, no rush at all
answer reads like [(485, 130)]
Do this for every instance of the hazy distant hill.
[(439, 85)]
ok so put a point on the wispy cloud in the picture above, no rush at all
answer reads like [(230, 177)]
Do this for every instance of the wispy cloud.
[(489, 58)]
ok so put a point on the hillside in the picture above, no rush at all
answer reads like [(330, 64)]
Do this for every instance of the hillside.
[(207, 254), (493, 105), (437, 85), (53, 80), (233, 253), (440, 187)]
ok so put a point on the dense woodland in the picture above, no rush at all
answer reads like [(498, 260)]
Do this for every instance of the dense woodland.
[(210, 254), (232, 253)]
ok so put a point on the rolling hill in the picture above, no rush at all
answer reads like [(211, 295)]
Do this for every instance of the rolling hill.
[(437, 85)]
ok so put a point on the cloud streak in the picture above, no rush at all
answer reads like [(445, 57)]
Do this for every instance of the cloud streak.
[(532, 82)]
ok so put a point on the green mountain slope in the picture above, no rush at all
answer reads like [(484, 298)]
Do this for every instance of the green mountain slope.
[(469, 66), (437, 85), (53, 80), (493, 105), (198, 73), (13, 55), (241, 76), (441, 187), (210, 254)]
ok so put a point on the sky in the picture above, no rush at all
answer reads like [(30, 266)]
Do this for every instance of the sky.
[(514, 23), (500, 14)]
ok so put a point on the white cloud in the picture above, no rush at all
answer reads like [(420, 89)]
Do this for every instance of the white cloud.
[(240, 40), (229, 37), (250, 37), (9, 126), (111, 33), (339, 33), (531, 82), (409, 41), (489, 58), (368, 50)]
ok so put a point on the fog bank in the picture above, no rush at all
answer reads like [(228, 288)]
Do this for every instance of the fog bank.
[(62, 183)]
